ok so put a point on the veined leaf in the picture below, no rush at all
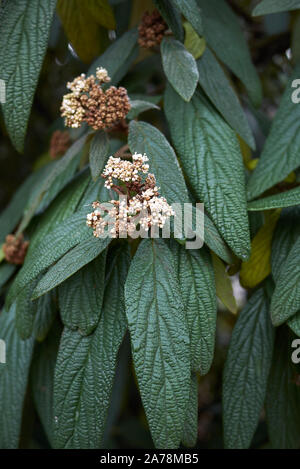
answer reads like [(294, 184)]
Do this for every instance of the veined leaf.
[(160, 340), (52, 247), (171, 16), (82, 23), (274, 6), (180, 67), (280, 155), (246, 372), (80, 296), (258, 267), (98, 153), (283, 199), (193, 42), (286, 298), (223, 285), (210, 155), (70, 263), (190, 429), (46, 313), (191, 12), (223, 34), (118, 57), (85, 369), (218, 88), (286, 233), (138, 106), (283, 396), (21, 57), (42, 379), (13, 376), (197, 285)]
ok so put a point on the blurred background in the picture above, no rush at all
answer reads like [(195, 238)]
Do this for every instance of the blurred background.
[(274, 41)]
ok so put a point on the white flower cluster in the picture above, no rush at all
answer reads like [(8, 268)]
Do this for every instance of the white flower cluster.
[(125, 171), (145, 208)]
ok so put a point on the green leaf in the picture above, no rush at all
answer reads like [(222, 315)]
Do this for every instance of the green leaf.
[(210, 155), (70, 263), (274, 6), (193, 43), (138, 106), (85, 369), (191, 12), (46, 313), (217, 86), (171, 16), (215, 242), (42, 379), (60, 168), (144, 138), (52, 247), (6, 271), (21, 57), (180, 67), (224, 288), (283, 396), (190, 429), (283, 199), (223, 34), (80, 296), (280, 155), (25, 311), (98, 153), (286, 298), (160, 342), (285, 235), (197, 284), (118, 57), (246, 372), (82, 24), (13, 377)]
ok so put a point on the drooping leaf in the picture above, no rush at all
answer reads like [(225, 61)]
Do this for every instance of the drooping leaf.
[(171, 15), (46, 312), (223, 34), (138, 106), (180, 67), (118, 57), (197, 285), (24, 32), (258, 267), (82, 24), (286, 298), (42, 379), (210, 155), (191, 12), (190, 429), (70, 263), (85, 370), (283, 396), (283, 199), (224, 288), (218, 88), (13, 377), (98, 153), (25, 311), (280, 154), (275, 6), (193, 42), (160, 341), (246, 372), (80, 296)]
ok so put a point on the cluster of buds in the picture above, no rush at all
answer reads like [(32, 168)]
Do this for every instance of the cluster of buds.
[(15, 249), (139, 200), (89, 102), (152, 30), (59, 144)]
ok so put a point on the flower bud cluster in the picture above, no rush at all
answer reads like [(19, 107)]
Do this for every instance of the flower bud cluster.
[(15, 249)]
